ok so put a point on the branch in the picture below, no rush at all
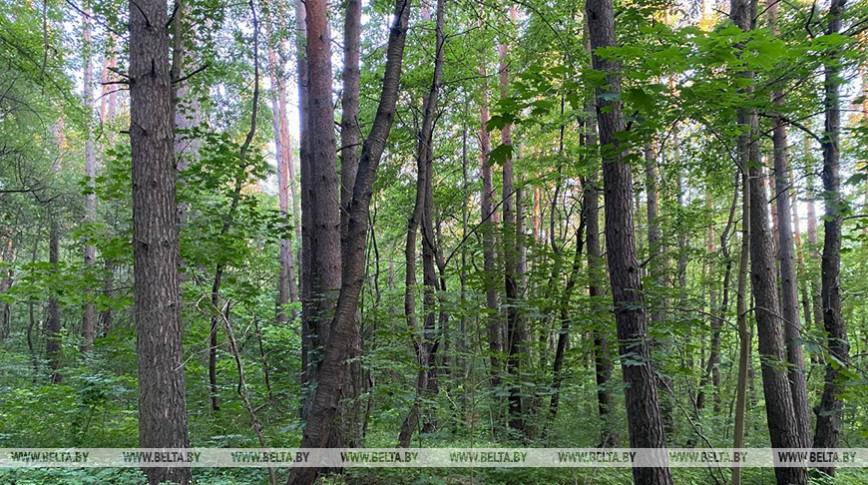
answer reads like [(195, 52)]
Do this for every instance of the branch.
[(811, 18), (793, 123), (188, 76), (147, 20), (98, 21)]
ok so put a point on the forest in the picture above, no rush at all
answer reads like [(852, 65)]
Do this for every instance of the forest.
[(492, 224)]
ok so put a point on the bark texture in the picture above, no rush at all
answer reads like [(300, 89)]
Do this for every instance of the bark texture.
[(780, 411), (829, 411), (787, 264), (162, 402), (425, 341), (319, 191), (495, 341), (644, 420), (332, 371)]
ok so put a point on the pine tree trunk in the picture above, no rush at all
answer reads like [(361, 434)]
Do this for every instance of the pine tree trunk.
[(831, 405), (332, 370), (320, 189), (287, 290), (308, 332), (780, 412), (787, 264), (162, 403), (644, 420)]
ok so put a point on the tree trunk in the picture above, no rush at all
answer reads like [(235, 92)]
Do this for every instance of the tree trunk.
[(31, 313), (744, 334), (320, 189), (831, 406), (108, 99), (108, 112), (487, 228), (162, 403), (425, 341), (814, 252), (802, 273), (716, 314), (514, 330), (787, 263), (332, 371), (89, 316), (350, 129), (53, 327), (644, 419), (287, 290), (655, 252), (772, 347), (10, 253), (307, 331), (596, 273), (564, 333)]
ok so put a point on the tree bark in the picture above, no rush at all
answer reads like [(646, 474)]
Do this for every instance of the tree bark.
[(307, 331), (351, 415), (744, 334), (780, 411), (320, 189), (787, 263), (514, 331), (487, 228), (287, 290), (831, 406), (644, 419), (350, 129), (332, 371), (162, 403), (425, 342)]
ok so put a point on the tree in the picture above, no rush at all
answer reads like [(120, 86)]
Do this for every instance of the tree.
[(644, 419), (89, 317), (425, 340), (780, 412), (162, 400), (331, 376), (829, 412), (787, 264), (287, 289)]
